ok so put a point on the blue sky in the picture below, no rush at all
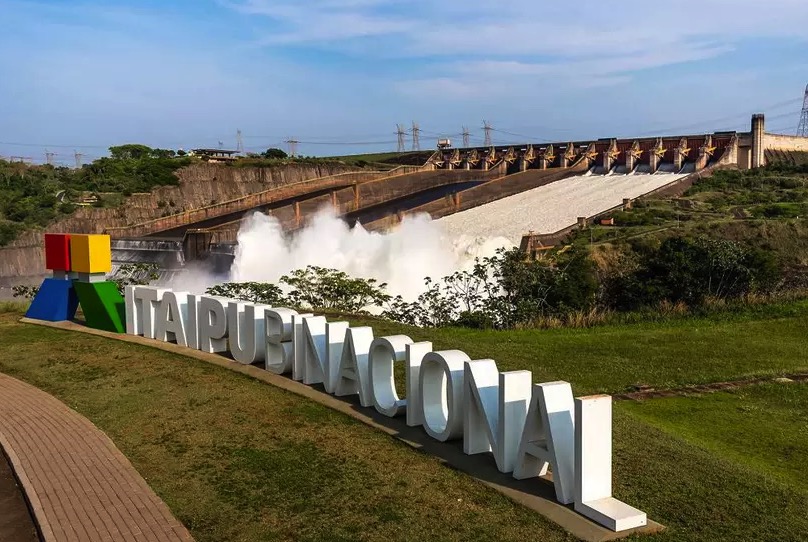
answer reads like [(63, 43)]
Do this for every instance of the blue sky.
[(184, 73)]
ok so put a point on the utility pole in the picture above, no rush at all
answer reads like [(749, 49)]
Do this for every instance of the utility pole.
[(49, 157), (77, 155), (239, 142), (292, 143), (802, 130), (488, 141), (416, 141), (400, 132), (466, 137)]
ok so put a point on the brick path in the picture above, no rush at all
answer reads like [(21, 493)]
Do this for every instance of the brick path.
[(80, 486)]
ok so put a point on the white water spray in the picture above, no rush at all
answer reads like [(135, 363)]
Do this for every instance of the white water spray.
[(402, 257)]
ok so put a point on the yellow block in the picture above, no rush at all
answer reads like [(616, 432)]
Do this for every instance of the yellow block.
[(90, 253)]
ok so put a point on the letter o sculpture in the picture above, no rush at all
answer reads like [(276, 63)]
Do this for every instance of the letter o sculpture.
[(441, 383), (384, 353)]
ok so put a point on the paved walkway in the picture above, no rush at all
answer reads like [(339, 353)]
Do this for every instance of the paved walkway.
[(80, 486)]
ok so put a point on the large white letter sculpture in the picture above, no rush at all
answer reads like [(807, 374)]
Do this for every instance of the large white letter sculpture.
[(314, 346), (171, 318), (279, 348), (245, 327), (441, 383), (212, 324), (528, 428), (334, 344), (548, 438), (593, 467), (352, 376), (141, 308), (415, 354), (384, 353), (495, 410), (299, 346)]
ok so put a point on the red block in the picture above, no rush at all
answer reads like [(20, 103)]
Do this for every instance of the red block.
[(57, 251)]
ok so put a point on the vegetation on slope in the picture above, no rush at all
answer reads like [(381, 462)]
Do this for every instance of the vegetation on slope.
[(34, 196)]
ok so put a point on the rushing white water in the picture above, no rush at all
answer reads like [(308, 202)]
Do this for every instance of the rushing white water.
[(552, 207), (420, 247), (402, 257)]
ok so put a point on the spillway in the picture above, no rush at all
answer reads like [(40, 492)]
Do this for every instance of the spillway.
[(169, 257), (553, 207)]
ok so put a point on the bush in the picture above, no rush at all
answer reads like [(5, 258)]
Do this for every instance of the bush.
[(691, 271), (254, 292), (310, 288)]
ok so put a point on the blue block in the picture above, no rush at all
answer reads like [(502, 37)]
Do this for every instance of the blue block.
[(56, 301)]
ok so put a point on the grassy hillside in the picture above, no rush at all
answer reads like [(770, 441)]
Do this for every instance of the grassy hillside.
[(766, 208), (237, 459)]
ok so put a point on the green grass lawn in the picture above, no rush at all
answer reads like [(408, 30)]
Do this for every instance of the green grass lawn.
[(767, 429), (237, 459), (613, 358)]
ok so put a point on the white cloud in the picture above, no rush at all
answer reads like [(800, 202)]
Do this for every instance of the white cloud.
[(586, 43), (525, 27)]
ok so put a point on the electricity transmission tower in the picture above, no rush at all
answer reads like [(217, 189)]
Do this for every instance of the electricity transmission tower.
[(77, 155), (466, 136), (221, 144), (400, 132), (487, 127), (292, 142), (239, 142), (49, 157), (802, 130), (416, 133)]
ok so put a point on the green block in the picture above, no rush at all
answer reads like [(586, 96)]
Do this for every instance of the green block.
[(103, 307)]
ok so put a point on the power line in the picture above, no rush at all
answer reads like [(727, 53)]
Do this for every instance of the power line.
[(239, 142), (400, 132), (722, 119), (530, 138), (487, 128), (15, 144), (77, 155), (802, 128), (349, 142), (466, 136), (416, 141), (49, 157)]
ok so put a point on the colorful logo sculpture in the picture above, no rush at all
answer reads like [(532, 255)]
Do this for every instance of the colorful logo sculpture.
[(80, 264)]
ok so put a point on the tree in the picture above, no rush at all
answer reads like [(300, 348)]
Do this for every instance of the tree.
[(163, 153), (131, 150), (253, 292), (321, 288), (276, 154), (135, 274)]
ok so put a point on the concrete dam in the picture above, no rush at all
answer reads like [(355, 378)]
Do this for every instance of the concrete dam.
[(534, 191), (511, 191)]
